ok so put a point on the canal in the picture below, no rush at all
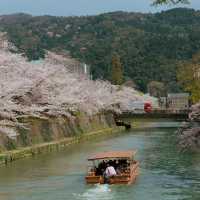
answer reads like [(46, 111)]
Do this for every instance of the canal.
[(165, 173)]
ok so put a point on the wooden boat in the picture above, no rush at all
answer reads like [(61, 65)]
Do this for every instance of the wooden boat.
[(123, 162)]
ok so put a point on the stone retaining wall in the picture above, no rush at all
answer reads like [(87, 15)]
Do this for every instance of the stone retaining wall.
[(52, 134)]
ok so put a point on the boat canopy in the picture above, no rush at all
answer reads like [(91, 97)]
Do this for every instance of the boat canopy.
[(113, 155)]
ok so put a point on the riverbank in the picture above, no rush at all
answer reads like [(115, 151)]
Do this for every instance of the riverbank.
[(10, 156), (43, 135)]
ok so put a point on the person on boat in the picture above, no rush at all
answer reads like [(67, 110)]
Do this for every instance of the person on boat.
[(101, 168), (109, 172), (99, 171)]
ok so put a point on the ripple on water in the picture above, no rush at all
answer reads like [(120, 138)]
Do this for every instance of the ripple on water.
[(98, 192)]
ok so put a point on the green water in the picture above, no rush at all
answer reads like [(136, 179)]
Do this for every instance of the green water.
[(165, 173)]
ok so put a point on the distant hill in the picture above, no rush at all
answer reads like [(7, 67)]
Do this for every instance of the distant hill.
[(150, 45)]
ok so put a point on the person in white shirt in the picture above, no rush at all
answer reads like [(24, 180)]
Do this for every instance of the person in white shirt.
[(110, 171)]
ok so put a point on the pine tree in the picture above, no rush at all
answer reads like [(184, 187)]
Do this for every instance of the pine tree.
[(117, 70)]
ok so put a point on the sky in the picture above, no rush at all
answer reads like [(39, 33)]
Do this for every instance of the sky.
[(81, 7)]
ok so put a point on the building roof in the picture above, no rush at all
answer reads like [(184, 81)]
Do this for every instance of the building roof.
[(112, 154)]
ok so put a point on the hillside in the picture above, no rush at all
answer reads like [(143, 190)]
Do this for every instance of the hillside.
[(150, 45)]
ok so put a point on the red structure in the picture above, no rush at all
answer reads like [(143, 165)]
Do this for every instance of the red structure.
[(147, 107)]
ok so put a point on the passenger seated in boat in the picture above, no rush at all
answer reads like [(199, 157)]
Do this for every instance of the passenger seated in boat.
[(114, 163), (102, 165), (98, 171), (101, 168)]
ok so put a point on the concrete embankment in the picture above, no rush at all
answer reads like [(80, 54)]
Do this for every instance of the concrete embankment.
[(43, 135)]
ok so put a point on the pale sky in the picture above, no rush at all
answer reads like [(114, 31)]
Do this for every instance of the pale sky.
[(80, 7)]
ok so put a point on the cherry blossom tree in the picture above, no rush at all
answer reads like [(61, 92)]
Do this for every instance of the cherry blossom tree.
[(49, 87)]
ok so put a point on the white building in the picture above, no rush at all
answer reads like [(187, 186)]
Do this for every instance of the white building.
[(178, 101), (175, 101)]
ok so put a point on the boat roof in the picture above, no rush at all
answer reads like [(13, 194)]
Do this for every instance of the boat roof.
[(113, 154)]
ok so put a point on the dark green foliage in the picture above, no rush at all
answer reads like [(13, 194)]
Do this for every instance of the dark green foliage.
[(117, 70), (11, 144), (157, 2), (149, 45)]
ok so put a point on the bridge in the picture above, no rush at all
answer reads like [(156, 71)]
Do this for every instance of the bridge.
[(157, 113), (177, 115)]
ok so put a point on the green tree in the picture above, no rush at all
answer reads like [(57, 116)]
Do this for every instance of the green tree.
[(188, 76), (156, 2), (149, 46), (157, 89), (117, 70)]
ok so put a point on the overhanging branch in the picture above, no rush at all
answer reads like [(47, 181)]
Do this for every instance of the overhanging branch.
[(157, 2)]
